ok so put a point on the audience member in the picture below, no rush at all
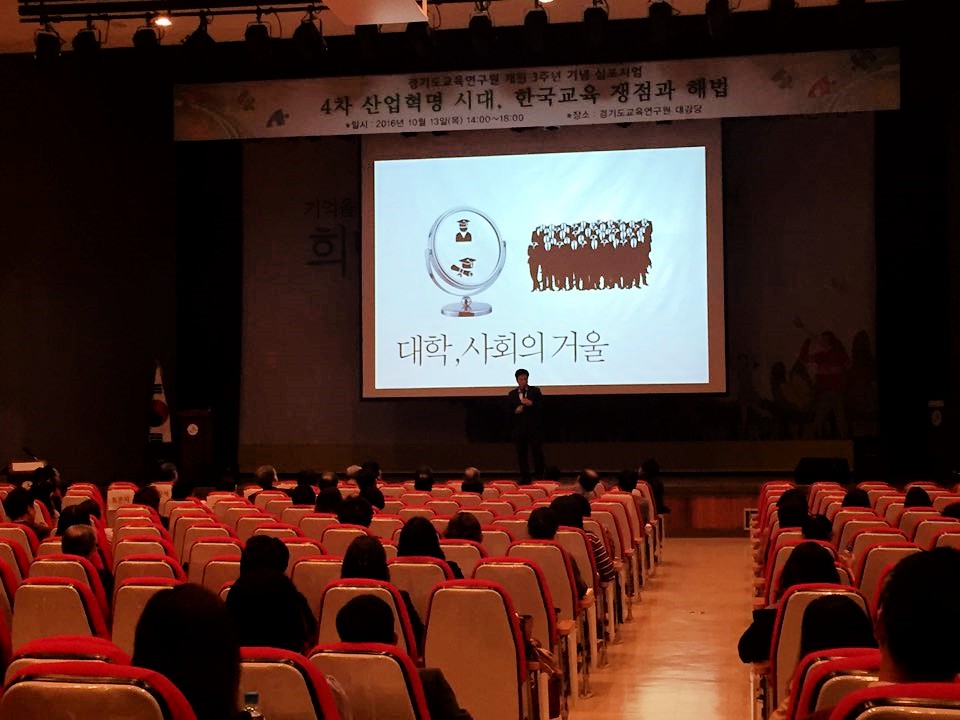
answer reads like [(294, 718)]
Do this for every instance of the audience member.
[(366, 558), (303, 495), (570, 512), (367, 484), (43, 489), (355, 510), (328, 478), (464, 526), (187, 635), (81, 540), (952, 511), (471, 481), (587, 482), (418, 538), (265, 476), (329, 499), (817, 527), (808, 563), (543, 525), (423, 479), (148, 496), (650, 474), (19, 508), (181, 489), (831, 621), (269, 611), (263, 552), (917, 497), (855, 498), (372, 467), (368, 619), (72, 515)]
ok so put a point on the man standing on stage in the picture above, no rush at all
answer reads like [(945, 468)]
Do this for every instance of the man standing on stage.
[(525, 401)]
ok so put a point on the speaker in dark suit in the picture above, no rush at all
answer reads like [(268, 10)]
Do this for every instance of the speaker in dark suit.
[(526, 412)]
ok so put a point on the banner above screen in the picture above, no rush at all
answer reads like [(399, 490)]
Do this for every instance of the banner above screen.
[(797, 84)]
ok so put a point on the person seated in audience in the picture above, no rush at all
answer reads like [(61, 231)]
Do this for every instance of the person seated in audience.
[(263, 552), (181, 489), (367, 484), (587, 482), (269, 611), (355, 510), (627, 481), (366, 558), (71, 515), (418, 538), (187, 634), (952, 511), (352, 470), (328, 500), (81, 540), (43, 489), (471, 481), (791, 513), (423, 479), (917, 628), (328, 478), (373, 468), (808, 563), (855, 498), (464, 526), (829, 622), (917, 497), (168, 473), (650, 474), (570, 511), (303, 493), (817, 527), (368, 619), (19, 508), (148, 496), (265, 477), (543, 525)]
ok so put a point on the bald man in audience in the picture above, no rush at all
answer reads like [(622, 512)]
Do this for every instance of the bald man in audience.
[(81, 540), (471, 481)]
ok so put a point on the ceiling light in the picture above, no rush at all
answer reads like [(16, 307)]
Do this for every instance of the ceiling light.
[(419, 39), (163, 20), (368, 43), (199, 41), (146, 38), (595, 25), (717, 12), (86, 43), (480, 29), (308, 38), (535, 24)]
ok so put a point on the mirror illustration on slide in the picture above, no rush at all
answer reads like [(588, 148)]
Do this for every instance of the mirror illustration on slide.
[(465, 256)]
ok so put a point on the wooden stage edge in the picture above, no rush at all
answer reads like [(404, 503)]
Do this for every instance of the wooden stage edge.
[(709, 485)]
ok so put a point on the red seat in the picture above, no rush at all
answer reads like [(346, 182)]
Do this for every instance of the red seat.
[(76, 567), (49, 606), (816, 681), (290, 687), (66, 647), (82, 691), (907, 700), (339, 592)]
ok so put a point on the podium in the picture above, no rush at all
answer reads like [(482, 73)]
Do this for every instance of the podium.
[(195, 440)]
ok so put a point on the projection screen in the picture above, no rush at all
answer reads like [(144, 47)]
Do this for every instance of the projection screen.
[(592, 257)]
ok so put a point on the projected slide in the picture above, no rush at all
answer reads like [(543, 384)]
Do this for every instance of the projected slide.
[(589, 269)]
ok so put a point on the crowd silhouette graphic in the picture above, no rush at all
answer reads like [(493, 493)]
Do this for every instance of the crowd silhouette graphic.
[(590, 255)]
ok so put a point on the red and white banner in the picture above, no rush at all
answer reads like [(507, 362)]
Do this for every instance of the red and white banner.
[(758, 85), (159, 411)]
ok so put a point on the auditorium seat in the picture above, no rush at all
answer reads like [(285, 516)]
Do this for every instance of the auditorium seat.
[(528, 590), (290, 687), (823, 678), (442, 491), (293, 514), (384, 526), (8, 588), (854, 526), (232, 515), (84, 691), (942, 502), (392, 491), (301, 547), (867, 537), (439, 522), (418, 576), (220, 570), (481, 618), (196, 532), (381, 681), (948, 538), (785, 644), (496, 540), (312, 574), (247, 525), (278, 530), (464, 553), (778, 559), (15, 557), (634, 552), (408, 512), (206, 548), (264, 496), (416, 499), (575, 542), (66, 647), (467, 500), (185, 523), (77, 568), (392, 506), (118, 494), (339, 592), (143, 545), (519, 500), (130, 598), (222, 506), (337, 538), (930, 701), (135, 566), (22, 536), (49, 606), (444, 507), (143, 527), (912, 517), (517, 527), (314, 524), (927, 531), (276, 506), (390, 548), (873, 563)]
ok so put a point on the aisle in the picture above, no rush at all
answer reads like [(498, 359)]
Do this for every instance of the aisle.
[(679, 658)]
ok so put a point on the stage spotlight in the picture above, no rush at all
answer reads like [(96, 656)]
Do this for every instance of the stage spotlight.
[(480, 30), (535, 24), (308, 39), (47, 43), (257, 39), (717, 12), (368, 43), (86, 43), (162, 20), (659, 14), (595, 25), (419, 40), (146, 38), (199, 41)]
